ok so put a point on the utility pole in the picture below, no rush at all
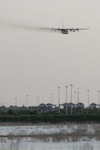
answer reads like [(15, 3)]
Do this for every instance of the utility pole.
[(88, 92), (78, 96), (66, 100), (52, 98), (59, 98), (71, 97), (99, 98), (75, 96), (15, 101), (37, 100), (26, 100)]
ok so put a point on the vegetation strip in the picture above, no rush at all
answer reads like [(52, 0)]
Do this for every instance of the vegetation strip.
[(49, 118)]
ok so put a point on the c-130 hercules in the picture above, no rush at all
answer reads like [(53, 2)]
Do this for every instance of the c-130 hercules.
[(64, 30)]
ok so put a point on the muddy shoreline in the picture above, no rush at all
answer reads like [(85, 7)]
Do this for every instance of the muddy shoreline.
[(33, 124)]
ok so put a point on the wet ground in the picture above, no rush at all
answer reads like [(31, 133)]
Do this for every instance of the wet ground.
[(50, 137)]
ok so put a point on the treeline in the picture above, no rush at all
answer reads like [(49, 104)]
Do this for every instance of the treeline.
[(78, 116), (49, 119)]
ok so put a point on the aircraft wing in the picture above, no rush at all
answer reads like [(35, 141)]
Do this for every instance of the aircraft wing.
[(50, 29), (77, 29), (64, 30)]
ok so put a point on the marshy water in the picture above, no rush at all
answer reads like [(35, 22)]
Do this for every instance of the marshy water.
[(50, 137)]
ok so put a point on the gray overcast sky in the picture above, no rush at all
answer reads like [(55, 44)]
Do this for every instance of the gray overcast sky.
[(36, 63)]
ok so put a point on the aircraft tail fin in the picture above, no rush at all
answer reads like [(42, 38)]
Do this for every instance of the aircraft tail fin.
[(62, 24)]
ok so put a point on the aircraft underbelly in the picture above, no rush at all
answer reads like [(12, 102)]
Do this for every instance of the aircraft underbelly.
[(64, 32)]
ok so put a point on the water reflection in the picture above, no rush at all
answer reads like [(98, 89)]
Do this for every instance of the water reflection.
[(31, 144), (50, 137)]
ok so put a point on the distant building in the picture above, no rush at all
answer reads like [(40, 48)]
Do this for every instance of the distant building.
[(3, 109), (49, 105), (42, 107), (67, 105), (79, 105), (92, 106)]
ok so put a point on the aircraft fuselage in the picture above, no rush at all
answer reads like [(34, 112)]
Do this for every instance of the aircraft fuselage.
[(63, 31)]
